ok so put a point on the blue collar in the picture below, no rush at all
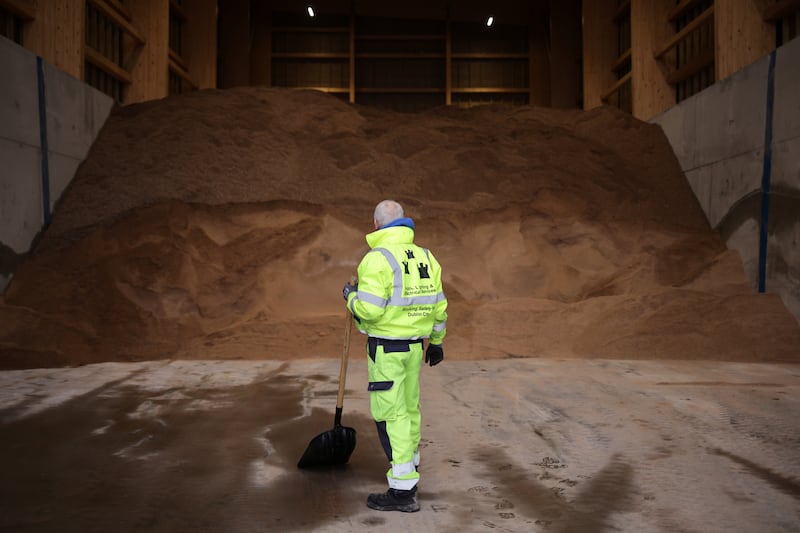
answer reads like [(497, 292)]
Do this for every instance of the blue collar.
[(404, 221)]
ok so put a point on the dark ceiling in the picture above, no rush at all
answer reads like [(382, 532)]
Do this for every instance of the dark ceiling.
[(503, 11)]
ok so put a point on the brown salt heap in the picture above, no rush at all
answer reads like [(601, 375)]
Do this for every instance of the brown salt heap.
[(222, 224)]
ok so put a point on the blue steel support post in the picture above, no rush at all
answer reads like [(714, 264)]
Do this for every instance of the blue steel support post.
[(765, 177), (43, 142)]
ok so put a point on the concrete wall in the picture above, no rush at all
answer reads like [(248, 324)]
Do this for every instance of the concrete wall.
[(719, 138), (75, 114)]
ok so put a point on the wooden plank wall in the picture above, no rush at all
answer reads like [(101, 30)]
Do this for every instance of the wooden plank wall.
[(55, 30), (538, 57), (742, 36), (542, 73), (200, 42), (22, 8), (650, 27), (235, 43), (565, 50), (58, 34), (260, 62), (150, 72), (599, 50)]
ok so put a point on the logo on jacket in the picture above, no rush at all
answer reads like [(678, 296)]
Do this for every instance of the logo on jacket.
[(422, 268), (423, 271)]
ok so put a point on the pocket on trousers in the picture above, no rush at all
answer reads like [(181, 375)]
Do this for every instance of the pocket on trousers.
[(382, 400), (380, 385)]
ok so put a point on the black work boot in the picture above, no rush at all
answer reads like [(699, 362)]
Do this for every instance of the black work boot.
[(394, 500)]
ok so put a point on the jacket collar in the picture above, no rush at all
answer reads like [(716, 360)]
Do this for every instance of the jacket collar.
[(403, 221), (400, 231)]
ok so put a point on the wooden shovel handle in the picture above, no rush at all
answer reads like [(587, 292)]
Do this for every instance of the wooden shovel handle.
[(345, 355)]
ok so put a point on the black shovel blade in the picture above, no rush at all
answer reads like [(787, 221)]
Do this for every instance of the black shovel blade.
[(330, 448)]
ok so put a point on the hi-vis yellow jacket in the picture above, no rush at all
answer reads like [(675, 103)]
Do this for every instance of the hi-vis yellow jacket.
[(400, 292)]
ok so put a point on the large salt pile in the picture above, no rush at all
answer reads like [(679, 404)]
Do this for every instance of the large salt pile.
[(222, 224)]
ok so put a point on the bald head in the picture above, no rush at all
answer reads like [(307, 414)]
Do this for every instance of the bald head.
[(386, 212)]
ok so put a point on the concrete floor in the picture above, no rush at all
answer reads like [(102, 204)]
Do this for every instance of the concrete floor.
[(508, 445)]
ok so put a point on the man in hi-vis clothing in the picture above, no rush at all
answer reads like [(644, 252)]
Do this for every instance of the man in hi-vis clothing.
[(398, 301)]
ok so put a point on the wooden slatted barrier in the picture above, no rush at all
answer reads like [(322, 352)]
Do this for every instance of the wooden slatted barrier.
[(693, 45), (620, 93), (110, 47), (780, 9), (179, 79), (616, 87), (14, 14), (20, 8), (785, 15), (685, 31)]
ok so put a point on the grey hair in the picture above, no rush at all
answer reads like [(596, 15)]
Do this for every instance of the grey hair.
[(387, 211)]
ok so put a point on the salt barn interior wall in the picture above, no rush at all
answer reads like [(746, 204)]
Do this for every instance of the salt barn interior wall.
[(738, 144), (48, 122)]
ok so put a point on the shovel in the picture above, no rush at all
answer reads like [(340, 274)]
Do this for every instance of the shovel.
[(334, 446)]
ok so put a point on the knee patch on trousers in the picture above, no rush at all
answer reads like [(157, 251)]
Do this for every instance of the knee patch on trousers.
[(380, 385)]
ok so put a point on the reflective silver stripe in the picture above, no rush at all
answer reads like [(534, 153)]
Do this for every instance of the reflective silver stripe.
[(440, 327), (402, 484), (398, 274), (417, 300), (402, 469), (371, 299)]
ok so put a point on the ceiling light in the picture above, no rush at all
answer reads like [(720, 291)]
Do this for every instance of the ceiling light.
[(489, 21), (310, 11)]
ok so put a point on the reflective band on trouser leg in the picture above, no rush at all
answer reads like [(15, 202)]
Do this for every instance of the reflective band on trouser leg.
[(402, 476)]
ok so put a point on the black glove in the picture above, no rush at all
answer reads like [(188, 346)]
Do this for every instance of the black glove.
[(348, 288), (434, 354)]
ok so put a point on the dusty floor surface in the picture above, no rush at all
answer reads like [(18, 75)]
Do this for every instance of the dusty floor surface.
[(562, 445)]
